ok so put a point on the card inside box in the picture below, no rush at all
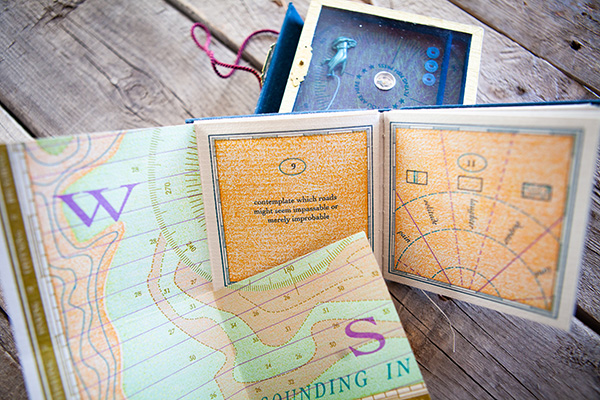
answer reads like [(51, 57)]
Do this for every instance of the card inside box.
[(352, 56)]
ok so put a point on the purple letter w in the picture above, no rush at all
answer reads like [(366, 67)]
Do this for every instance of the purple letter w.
[(68, 199)]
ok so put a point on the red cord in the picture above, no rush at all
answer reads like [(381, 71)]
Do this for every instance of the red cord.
[(235, 65)]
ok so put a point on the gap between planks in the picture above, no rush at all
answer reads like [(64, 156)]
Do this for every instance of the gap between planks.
[(566, 33), (190, 12)]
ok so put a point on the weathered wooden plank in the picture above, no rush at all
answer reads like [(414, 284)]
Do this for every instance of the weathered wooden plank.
[(497, 356), (126, 88), (231, 21), (10, 130), (509, 72), (97, 66), (564, 33), (101, 66), (12, 385)]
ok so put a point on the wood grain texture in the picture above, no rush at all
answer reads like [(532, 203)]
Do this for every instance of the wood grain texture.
[(105, 65), (564, 33), (3, 308), (12, 385), (10, 130), (497, 356), (589, 281), (231, 21), (75, 66)]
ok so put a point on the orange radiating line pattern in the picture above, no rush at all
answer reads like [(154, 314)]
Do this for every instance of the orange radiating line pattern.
[(490, 215)]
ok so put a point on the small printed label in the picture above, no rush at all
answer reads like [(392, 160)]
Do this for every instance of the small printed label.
[(292, 166)]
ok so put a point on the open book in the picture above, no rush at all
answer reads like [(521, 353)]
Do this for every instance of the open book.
[(104, 268), (487, 205)]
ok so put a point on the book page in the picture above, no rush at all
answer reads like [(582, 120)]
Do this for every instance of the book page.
[(104, 267), (278, 187), (490, 206)]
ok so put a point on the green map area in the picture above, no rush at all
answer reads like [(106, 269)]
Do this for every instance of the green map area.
[(121, 225)]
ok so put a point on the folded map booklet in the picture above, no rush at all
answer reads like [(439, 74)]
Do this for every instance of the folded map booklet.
[(105, 271), (237, 258), (487, 205)]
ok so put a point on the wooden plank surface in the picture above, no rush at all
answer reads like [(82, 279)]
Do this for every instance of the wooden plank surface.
[(102, 66), (497, 356), (565, 33), (97, 66), (231, 21), (509, 72), (110, 65), (10, 130), (12, 384)]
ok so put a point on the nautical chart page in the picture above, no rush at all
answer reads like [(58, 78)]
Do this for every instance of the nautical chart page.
[(490, 206), (108, 283)]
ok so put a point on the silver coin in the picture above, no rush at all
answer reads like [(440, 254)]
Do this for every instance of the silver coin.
[(384, 80)]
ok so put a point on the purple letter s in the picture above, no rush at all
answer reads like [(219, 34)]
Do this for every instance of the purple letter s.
[(367, 335)]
